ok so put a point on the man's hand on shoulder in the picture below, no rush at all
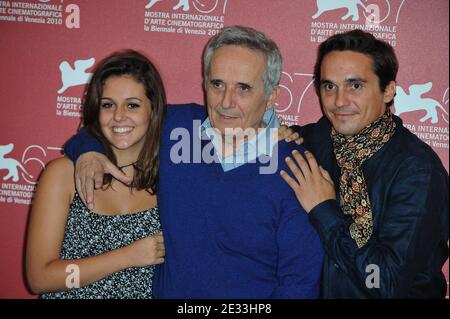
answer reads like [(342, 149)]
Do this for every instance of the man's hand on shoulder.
[(289, 135), (311, 183), (89, 170)]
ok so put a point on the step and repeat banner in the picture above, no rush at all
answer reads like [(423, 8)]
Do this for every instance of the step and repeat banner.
[(49, 48)]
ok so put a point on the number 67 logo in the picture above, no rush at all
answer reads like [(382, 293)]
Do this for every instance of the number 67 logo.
[(290, 92), (29, 157)]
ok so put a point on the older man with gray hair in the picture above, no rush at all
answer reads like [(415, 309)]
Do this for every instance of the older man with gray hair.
[(231, 228)]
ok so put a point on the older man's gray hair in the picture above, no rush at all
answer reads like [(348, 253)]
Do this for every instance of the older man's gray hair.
[(251, 39)]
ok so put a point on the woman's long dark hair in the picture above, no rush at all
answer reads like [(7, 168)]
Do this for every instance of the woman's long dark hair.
[(136, 65)]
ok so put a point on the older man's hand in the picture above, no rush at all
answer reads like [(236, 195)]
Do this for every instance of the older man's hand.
[(288, 134), (311, 183), (89, 170)]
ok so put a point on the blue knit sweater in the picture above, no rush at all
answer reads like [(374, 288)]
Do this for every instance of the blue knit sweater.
[(235, 234)]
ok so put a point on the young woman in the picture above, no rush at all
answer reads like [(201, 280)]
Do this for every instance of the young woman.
[(108, 252)]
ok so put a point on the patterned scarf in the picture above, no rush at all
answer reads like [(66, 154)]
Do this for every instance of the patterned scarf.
[(350, 154)]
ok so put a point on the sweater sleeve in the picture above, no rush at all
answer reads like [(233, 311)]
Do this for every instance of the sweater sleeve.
[(300, 256), (415, 219), (81, 143)]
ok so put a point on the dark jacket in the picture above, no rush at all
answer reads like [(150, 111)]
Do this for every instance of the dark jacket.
[(408, 190)]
